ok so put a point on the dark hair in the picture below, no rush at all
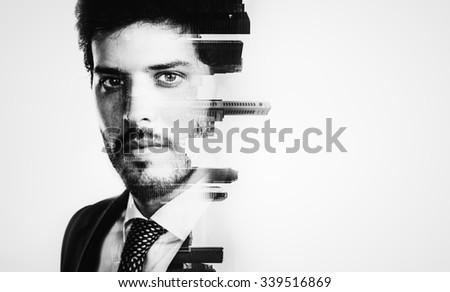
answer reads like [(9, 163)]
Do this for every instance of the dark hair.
[(99, 18)]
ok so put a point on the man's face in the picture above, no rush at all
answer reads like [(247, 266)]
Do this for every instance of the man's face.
[(142, 76)]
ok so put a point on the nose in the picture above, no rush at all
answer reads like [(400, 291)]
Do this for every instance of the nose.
[(140, 101)]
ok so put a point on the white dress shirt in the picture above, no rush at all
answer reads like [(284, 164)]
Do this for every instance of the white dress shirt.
[(178, 217)]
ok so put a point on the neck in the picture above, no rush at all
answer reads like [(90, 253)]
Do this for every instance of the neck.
[(148, 208), (151, 204)]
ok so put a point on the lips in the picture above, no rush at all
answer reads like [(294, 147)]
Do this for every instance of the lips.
[(140, 145), (139, 141), (145, 145)]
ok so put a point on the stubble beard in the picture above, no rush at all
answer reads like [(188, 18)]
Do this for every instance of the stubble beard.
[(146, 182)]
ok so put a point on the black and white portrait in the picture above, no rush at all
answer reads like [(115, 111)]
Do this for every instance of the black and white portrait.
[(225, 135)]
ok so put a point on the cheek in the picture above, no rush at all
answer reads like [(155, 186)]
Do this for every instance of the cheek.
[(110, 111)]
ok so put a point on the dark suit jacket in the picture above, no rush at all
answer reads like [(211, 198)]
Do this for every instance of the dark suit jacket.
[(86, 232)]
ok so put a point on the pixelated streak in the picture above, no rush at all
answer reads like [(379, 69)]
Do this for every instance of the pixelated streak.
[(199, 255), (191, 259), (219, 175), (191, 267), (220, 23), (218, 17), (216, 6), (208, 112), (209, 193), (222, 107), (214, 176), (216, 194), (229, 107), (223, 56)]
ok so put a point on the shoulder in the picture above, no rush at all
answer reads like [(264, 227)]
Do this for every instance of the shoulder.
[(91, 212), (81, 226), (87, 216)]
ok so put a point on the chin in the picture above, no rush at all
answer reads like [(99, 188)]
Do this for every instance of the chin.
[(152, 184), (151, 178)]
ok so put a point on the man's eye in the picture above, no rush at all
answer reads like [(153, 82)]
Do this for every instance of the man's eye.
[(169, 79), (111, 83)]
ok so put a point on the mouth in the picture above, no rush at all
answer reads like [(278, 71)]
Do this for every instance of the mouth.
[(145, 146)]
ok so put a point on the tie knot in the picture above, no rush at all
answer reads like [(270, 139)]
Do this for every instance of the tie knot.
[(143, 233), (145, 227)]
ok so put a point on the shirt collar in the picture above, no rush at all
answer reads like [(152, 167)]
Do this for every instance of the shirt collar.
[(179, 215)]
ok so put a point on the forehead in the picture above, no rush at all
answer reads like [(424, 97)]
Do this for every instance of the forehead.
[(143, 44)]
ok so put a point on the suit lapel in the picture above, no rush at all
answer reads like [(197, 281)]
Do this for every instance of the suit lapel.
[(90, 256)]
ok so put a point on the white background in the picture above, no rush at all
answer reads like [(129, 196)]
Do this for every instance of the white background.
[(379, 68)]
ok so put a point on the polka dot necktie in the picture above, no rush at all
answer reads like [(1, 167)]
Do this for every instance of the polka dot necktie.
[(143, 233)]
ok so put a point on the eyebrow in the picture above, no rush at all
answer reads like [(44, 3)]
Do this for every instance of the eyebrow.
[(118, 71), (168, 65), (108, 70)]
